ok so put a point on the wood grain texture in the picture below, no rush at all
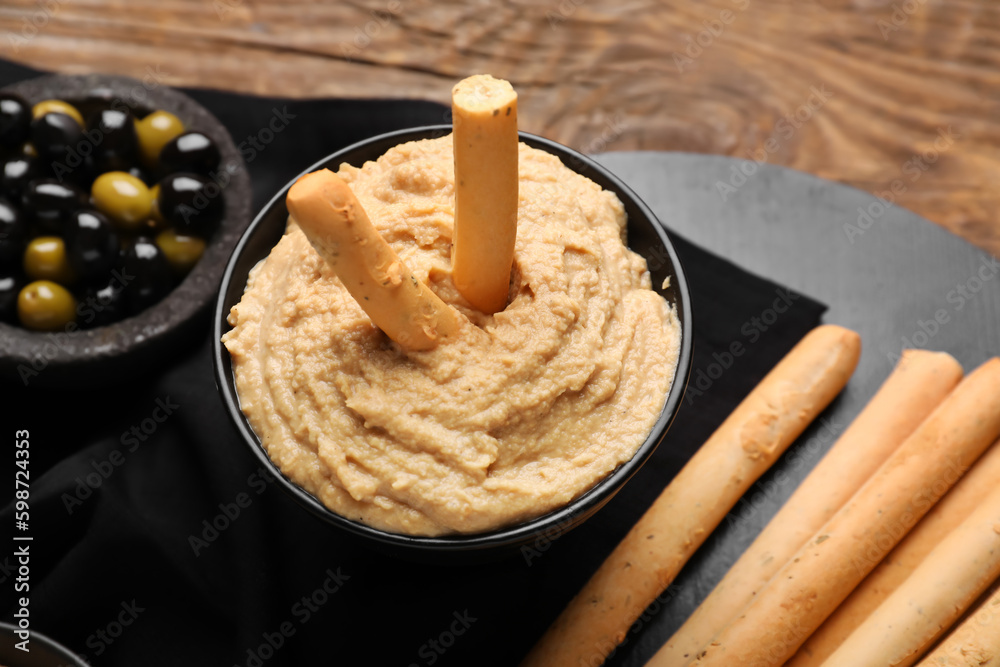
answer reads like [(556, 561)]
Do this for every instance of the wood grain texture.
[(897, 97)]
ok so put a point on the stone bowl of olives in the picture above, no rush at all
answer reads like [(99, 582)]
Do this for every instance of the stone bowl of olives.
[(120, 201)]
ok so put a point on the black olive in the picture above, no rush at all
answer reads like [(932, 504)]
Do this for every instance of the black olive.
[(190, 202), (99, 99), (91, 243), (142, 175), (118, 145), (192, 151), (15, 120), (13, 233), (10, 287), (103, 303), (15, 174), (58, 137), (49, 203), (148, 273)]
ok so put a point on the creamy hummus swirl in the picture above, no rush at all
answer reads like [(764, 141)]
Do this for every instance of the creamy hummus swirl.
[(526, 411)]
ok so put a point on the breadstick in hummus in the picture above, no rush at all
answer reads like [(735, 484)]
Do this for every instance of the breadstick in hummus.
[(747, 443), (399, 304), (484, 112), (918, 384)]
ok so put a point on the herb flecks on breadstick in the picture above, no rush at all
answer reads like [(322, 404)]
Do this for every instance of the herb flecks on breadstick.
[(809, 587), (932, 530), (929, 602), (398, 303), (920, 382), (484, 112), (974, 643)]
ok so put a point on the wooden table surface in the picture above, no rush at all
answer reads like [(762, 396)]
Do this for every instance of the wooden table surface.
[(897, 97)]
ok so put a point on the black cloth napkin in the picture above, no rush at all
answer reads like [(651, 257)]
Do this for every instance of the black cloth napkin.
[(127, 567)]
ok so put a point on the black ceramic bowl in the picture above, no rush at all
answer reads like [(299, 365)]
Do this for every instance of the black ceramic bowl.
[(44, 652), (645, 236), (108, 354)]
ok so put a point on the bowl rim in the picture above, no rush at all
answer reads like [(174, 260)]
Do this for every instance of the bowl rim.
[(46, 642), (557, 520)]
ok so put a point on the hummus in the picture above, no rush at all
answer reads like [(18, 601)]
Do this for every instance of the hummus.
[(522, 415)]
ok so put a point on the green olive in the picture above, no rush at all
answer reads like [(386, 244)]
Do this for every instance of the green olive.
[(45, 259), (155, 131), (125, 199), (57, 106), (45, 306), (181, 250)]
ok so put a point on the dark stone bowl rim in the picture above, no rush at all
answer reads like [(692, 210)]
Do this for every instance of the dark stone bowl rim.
[(53, 653), (547, 526), (71, 358)]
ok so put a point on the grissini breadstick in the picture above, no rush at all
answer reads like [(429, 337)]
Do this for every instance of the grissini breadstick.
[(484, 113), (804, 592), (399, 304), (918, 384), (768, 420), (975, 642), (897, 566), (932, 598)]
